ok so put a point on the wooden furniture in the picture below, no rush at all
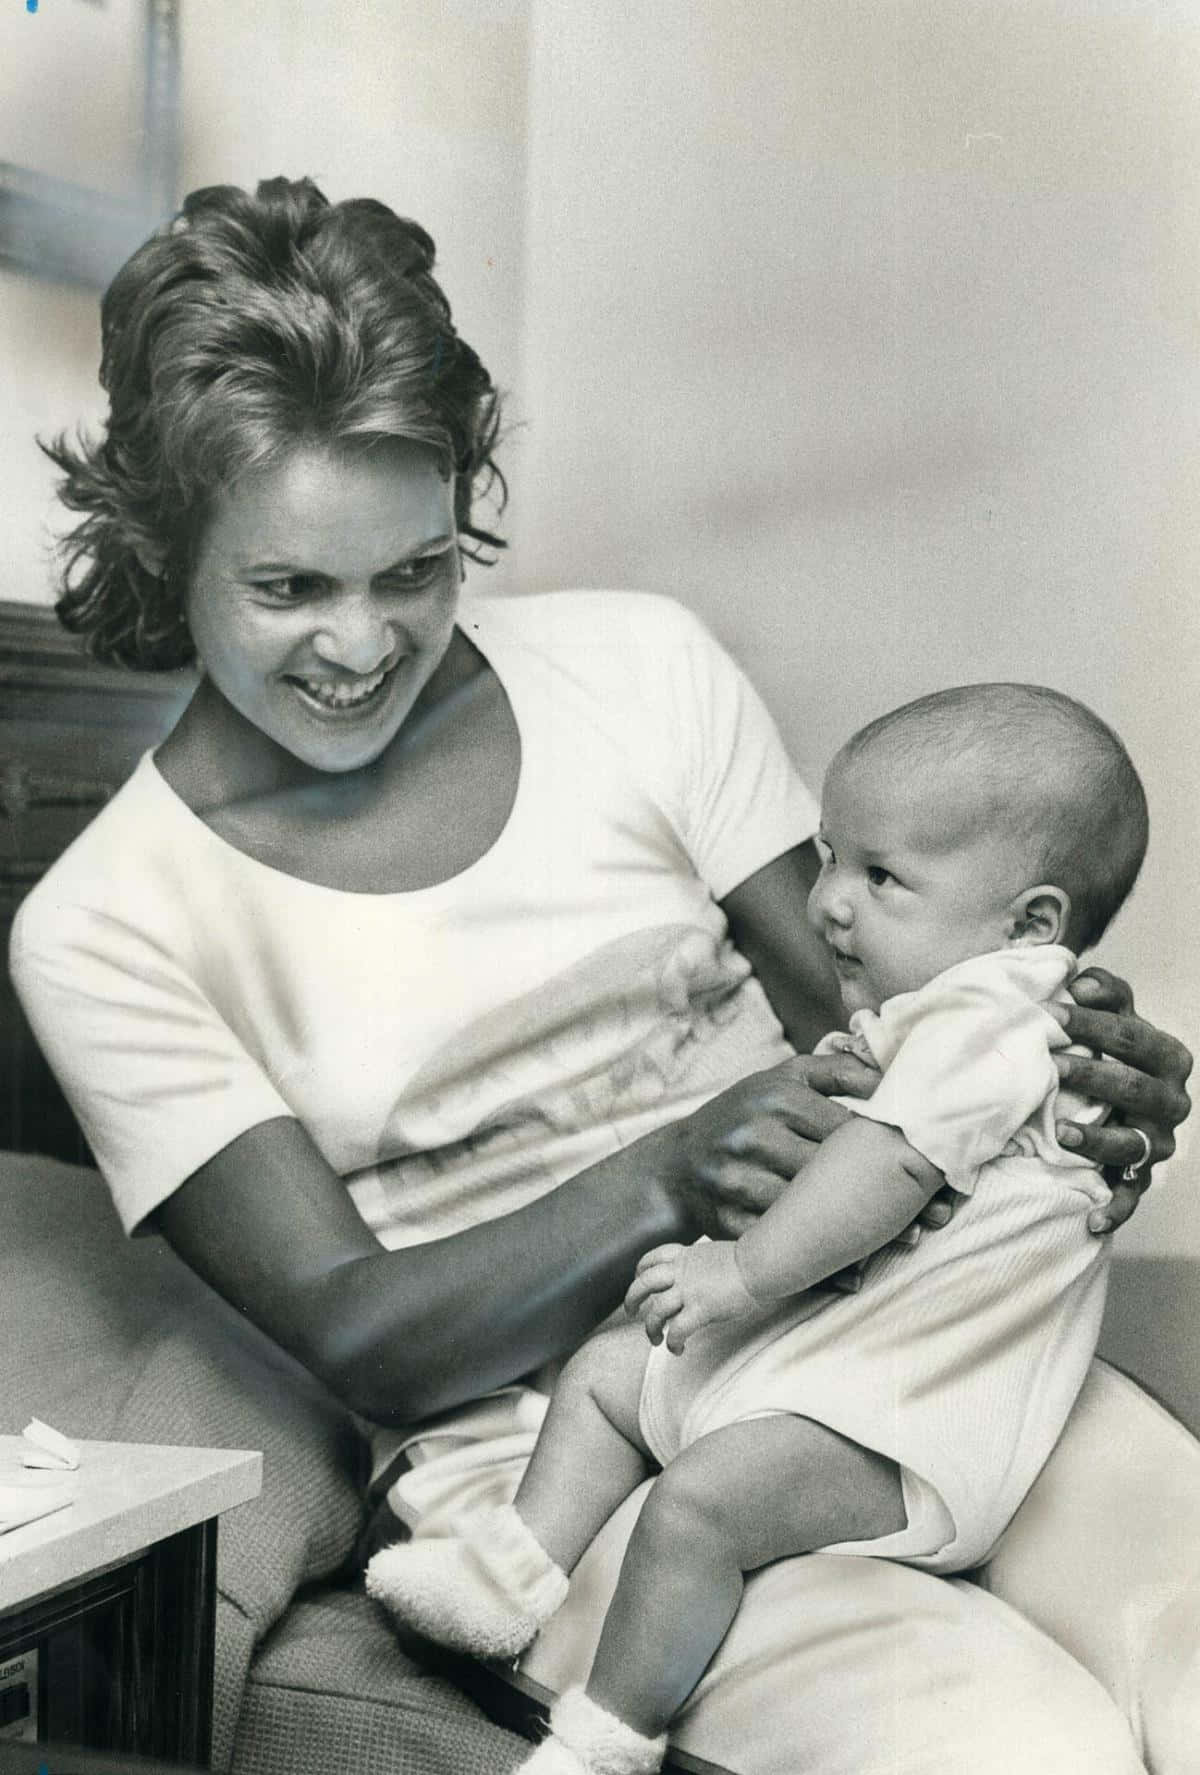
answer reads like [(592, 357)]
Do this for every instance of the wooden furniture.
[(115, 1598), (70, 733)]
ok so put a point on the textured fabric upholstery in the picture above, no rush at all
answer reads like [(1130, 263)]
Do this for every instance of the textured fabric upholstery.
[(120, 1342), (387, 1713)]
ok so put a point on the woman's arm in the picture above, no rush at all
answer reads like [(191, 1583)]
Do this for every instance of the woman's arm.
[(400, 1334), (768, 921)]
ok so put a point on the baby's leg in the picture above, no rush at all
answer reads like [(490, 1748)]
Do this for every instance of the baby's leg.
[(589, 1454), (735, 1500), (491, 1586)]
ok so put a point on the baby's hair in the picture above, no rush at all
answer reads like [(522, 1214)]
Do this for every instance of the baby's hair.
[(1057, 777), (253, 324)]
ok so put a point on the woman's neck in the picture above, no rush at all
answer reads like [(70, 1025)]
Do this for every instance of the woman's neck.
[(216, 760)]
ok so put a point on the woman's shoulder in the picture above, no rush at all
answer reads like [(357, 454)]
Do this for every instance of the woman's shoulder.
[(584, 618), (109, 869)]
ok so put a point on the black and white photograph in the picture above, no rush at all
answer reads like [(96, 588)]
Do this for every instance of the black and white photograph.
[(598, 668)]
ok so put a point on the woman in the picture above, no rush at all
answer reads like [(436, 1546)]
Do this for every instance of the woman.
[(416, 1091)]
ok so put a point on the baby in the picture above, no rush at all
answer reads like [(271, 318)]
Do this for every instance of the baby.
[(973, 843)]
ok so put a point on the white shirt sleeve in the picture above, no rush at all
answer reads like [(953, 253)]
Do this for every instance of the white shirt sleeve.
[(158, 1081), (967, 1061), (744, 804)]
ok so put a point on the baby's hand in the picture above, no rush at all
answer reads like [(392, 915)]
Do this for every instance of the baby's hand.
[(679, 1288)]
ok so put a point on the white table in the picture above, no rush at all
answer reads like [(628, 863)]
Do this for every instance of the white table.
[(107, 1607)]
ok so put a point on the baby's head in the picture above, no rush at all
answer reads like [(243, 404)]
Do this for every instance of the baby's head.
[(969, 820)]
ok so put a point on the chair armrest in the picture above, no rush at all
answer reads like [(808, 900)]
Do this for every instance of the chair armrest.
[(1170, 1687), (1104, 1555)]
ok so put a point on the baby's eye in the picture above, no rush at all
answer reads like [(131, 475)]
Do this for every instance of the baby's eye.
[(824, 850), (878, 876)]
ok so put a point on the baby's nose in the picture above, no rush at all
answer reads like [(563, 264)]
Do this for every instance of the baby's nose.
[(829, 903)]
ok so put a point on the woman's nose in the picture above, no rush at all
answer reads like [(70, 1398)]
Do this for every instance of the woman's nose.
[(355, 634)]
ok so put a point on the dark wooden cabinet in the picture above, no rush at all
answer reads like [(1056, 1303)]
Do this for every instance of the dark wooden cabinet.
[(70, 733), (125, 1659), (108, 1602)]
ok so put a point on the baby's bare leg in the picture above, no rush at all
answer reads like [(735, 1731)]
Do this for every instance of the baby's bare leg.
[(735, 1500), (489, 1588), (589, 1454)]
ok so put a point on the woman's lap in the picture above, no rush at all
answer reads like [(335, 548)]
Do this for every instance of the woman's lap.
[(853, 1666)]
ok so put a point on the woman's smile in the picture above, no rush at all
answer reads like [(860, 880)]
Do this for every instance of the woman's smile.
[(344, 696)]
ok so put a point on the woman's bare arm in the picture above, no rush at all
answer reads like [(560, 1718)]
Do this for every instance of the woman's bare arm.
[(768, 920), (400, 1334)]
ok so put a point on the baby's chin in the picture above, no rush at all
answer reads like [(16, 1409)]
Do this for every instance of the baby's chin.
[(858, 992)]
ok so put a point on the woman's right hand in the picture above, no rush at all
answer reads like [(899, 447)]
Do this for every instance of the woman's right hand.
[(725, 1163)]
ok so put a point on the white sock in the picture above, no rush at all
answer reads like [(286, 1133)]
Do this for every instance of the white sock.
[(587, 1740), (486, 1590)]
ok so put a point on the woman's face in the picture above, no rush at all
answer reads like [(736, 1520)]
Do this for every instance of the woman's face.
[(324, 596)]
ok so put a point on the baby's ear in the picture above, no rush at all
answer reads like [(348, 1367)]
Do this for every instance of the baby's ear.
[(1040, 915)]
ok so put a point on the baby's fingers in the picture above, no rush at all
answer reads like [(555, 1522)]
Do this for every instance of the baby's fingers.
[(681, 1327), (660, 1254), (657, 1313), (647, 1283)]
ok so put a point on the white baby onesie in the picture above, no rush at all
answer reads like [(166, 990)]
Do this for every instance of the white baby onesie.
[(959, 1358)]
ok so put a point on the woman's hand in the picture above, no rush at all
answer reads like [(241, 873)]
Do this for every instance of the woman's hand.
[(1141, 1075), (726, 1162)]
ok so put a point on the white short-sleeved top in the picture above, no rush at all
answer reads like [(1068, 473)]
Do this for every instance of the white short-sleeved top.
[(455, 1051)]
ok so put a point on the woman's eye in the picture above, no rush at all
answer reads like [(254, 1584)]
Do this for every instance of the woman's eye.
[(878, 876), (414, 574), (287, 590)]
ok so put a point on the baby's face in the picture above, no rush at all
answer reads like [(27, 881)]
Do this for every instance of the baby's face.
[(907, 886)]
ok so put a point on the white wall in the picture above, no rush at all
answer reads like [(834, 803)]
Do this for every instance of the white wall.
[(421, 105), (871, 330)]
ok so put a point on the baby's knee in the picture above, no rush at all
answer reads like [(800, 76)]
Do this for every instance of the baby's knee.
[(605, 1372), (587, 1369), (686, 1509)]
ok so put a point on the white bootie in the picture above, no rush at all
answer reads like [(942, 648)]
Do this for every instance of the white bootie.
[(587, 1740), (486, 1590)]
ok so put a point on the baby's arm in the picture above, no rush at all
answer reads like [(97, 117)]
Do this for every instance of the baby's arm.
[(863, 1187)]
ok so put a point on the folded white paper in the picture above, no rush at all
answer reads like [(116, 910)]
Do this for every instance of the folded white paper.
[(48, 1448)]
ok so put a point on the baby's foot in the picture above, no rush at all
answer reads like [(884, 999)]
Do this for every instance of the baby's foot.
[(486, 1590), (587, 1740)]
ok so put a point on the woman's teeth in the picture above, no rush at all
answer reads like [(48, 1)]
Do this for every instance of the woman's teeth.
[(342, 696)]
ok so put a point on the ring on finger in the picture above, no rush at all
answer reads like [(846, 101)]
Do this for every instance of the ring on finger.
[(1132, 1171)]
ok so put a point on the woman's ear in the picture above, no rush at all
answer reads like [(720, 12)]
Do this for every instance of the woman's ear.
[(1040, 915), (152, 558)]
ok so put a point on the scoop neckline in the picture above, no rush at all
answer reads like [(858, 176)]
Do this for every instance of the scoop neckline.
[(502, 839)]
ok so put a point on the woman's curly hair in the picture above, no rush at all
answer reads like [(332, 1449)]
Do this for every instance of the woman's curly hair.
[(247, 326)]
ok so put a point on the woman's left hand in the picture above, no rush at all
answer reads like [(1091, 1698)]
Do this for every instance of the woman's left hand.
[(1141, 1075)]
